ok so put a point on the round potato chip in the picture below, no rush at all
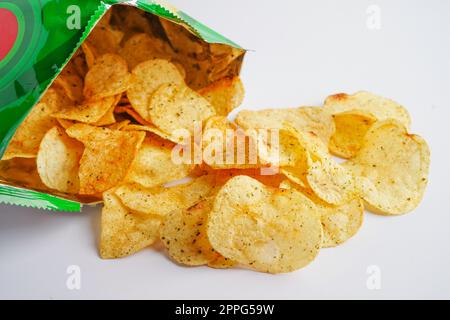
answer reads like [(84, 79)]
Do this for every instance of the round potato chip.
[(381, 108), (393, 168), (174, 107), (270, 230), (351, 127), (108, 76), (107, 156), (146, 77), (224, 95), (58, 161), (181, 232), (124, 232)]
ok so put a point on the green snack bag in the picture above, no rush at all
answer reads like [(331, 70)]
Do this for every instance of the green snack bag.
[(47, 50)]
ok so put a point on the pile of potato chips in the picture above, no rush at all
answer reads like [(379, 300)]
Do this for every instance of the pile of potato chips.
[(105, 130)]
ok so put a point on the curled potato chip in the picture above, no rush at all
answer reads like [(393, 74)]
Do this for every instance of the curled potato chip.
[(270, 230), (308, 119), (174, 107), (161, 201), (108, 77), (224, 95), (124, 232), (351, 127), (146, 77), (58, 161), (393, 168), (153, 165), (107, 156), (91, 111), (182, 232), (26, 140), (22, 172), (339, 223), (142, 47), (381, 108)]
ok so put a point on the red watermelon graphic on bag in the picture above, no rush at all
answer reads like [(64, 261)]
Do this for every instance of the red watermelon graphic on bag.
[(8, 31)]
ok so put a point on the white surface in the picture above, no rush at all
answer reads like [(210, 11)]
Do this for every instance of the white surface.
[(303, 52)]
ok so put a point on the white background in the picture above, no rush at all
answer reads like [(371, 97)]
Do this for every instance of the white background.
[(303, 51)]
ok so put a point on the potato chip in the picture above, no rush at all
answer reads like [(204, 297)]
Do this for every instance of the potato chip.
[(393, 168), (22, 172), (108, 77), (26, 140), (339, 223), (161, 201), (58, 161), (381, 108), (124, 232), (153, 165), (107, 157), (181, 232), (90, 111), (224, 95), (308, 119), (146, 77), (351, 127), (174, 107), (142, 47), (267, 229), (72, 84)]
